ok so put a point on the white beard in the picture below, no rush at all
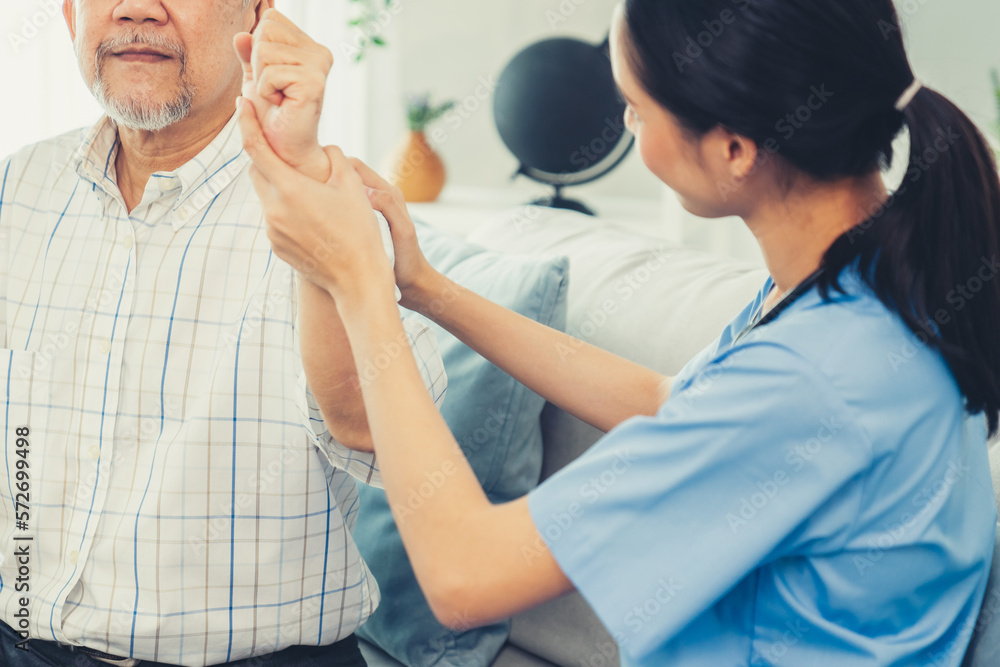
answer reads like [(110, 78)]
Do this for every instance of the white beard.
[(138, 112)]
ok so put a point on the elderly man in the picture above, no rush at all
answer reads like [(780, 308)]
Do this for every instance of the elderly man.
[(178, 488)]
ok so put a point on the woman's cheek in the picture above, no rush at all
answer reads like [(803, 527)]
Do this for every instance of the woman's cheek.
[(653, 156)]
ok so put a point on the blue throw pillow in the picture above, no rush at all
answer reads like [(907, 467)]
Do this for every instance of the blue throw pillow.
[(495, 419)]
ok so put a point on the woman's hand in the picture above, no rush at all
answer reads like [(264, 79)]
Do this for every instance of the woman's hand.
[(328, 231), (413, 272)]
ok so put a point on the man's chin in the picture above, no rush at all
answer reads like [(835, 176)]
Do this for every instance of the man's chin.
[(141, 115), (139, 110)]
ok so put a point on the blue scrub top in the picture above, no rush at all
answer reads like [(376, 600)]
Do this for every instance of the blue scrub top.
[(812, 494)]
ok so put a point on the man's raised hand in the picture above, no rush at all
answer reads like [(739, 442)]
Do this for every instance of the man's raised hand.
[(285, 73)]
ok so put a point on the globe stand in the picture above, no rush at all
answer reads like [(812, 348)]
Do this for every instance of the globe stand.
[(558, 201)]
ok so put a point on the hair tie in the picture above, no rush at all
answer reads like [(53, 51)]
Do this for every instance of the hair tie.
[(908, 94)]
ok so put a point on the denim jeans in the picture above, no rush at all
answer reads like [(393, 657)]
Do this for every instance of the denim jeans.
[(344, 653)]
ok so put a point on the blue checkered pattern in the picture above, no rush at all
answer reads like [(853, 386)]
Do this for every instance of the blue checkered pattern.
[(187, 504)]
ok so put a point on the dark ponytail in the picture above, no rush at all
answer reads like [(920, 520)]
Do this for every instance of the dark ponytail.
[(815, 82), (932, 253)]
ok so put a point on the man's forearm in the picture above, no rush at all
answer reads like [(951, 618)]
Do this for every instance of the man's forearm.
[(329, 368)]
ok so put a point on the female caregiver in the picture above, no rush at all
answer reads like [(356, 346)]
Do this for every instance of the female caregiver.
[(854, 394)]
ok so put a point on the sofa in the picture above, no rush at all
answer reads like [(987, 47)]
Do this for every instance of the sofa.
[(658, 305)]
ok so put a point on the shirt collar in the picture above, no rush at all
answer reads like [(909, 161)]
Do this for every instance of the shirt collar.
[(199, 180)]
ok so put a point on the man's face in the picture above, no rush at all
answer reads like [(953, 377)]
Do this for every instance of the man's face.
[(152, 63)]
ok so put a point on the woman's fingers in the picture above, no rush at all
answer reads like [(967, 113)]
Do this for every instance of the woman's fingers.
[(341, 171), (272, 168), (382, 194), (389, 205), (369, 176)]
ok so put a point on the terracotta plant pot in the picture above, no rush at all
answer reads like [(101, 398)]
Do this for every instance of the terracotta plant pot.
[(416, 169)]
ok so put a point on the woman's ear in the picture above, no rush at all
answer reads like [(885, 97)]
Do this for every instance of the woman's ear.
[(737, 152)]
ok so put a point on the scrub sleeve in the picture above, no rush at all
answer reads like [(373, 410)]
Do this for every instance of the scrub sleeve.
[(738, 468)]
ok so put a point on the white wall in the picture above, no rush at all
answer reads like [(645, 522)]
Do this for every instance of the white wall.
[(44, 93), (447, 46)]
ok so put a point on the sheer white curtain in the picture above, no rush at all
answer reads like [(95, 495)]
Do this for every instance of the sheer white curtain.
[(45, 94)]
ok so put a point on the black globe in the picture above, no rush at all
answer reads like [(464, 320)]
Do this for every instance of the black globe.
[(558, 110)]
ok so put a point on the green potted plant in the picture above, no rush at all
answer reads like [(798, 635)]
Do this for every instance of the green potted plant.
[(370, 18), (415, 167)]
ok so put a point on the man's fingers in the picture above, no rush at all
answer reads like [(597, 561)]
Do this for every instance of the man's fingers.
[(271, 167), (277, 82), (276, 53), (272, 29), (276, 16)]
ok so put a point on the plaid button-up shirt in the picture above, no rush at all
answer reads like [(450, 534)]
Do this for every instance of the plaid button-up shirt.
[(180, 498)]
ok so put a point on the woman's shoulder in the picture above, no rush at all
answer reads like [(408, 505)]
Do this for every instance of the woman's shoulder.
[(855, 339), (888, 374)]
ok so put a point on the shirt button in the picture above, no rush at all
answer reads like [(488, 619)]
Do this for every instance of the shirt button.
[(105, 346), (184, 214), (128, 242), (95, 452), (166, 184), (73, 557)]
